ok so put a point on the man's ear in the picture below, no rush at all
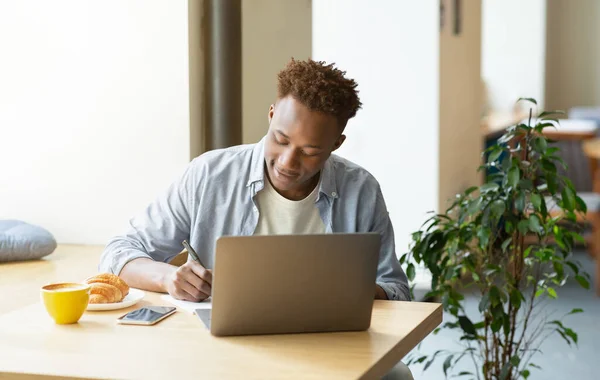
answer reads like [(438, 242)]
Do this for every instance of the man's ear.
[(339, 142), (271, 112)]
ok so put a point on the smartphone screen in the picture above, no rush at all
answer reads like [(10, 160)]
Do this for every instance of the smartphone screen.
[(147, 315)]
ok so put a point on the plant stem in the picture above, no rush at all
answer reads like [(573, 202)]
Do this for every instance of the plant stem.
[(486, 365)]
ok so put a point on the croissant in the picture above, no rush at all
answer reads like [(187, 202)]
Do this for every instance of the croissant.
[(98, 298), (110, 292), (107, 288), (111, 279)]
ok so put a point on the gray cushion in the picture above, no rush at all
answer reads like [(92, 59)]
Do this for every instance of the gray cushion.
[(23, 241)]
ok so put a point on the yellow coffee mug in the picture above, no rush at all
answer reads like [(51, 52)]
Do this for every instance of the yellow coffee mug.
[(66, 302)]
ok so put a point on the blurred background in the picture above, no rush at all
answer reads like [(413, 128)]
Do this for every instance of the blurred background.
[(103, 103)]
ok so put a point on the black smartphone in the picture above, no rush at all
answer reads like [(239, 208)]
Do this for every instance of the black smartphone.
[(147, 315)]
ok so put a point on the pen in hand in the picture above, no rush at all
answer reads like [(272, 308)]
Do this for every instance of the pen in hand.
[(192, 253), (191, 281)]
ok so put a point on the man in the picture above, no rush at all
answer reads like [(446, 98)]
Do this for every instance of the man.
[(288, 183)]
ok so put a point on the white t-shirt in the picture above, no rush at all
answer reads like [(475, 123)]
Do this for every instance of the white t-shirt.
[(279, 215)]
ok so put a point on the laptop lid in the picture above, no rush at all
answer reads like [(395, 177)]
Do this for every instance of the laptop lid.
[(294, 283)]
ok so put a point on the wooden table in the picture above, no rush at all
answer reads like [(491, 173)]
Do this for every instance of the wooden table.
[(32, 346), (571, 130)]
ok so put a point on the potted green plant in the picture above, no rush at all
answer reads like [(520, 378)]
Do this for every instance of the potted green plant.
[(510, 241)]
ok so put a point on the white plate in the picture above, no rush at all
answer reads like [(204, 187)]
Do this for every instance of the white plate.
[(134, 296)]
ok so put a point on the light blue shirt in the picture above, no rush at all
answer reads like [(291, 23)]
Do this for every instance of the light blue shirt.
[(215, 197)]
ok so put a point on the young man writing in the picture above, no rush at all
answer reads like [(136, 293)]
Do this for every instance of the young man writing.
[(288, 183)]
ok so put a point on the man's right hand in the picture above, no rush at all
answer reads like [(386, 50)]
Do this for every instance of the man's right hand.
[(189, 282)]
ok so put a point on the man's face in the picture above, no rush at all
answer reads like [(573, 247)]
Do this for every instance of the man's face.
[(298, 143)]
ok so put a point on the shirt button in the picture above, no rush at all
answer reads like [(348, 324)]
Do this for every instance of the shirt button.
[(334, 194)]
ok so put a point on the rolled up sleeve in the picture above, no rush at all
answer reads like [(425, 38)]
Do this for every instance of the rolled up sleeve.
[(157, 232)]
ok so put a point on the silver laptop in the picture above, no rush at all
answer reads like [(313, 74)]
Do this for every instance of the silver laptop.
[(293, 284)]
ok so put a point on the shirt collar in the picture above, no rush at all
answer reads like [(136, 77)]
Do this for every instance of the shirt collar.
[(327, 184), (257, 165)]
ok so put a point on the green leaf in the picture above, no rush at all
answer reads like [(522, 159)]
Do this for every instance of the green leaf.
[(523, 226), (429, 363), (464, 373), (535, 365), (540, 144), (572, 265), (525, 373), (575, 311), (560, 161), (494, 154), (484, 304), (447, 364), (532, 100), (513, 176), (506, 162), (496, 325), (474, 206), (534, 224), (416, 236), (515, 298), (548, 113), (580, 204), (578, 237), (506, 326), (432, 359), (410, 272), (548, 166), (490, 186), (509, 227), (483, 234), (505, 243), (559, 269), (572, 334), (498, 207), (467, 325), (582, 281), (421, 359), (494, 294), (543, 209), (568, 198), (515, 361), (539, 292), (552, 293), (520, 201), (526, 184), (551, 182), (536, 200)]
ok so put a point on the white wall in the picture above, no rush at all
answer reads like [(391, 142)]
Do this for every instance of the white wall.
[(94, 118), (392, 50), (513, 51)]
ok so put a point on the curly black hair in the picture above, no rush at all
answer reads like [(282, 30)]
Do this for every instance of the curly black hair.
[(320, 87)]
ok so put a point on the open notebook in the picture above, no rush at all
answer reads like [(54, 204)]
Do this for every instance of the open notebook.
[(188, 306)]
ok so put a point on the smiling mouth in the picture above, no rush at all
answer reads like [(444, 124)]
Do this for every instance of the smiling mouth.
[(284, 174)]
